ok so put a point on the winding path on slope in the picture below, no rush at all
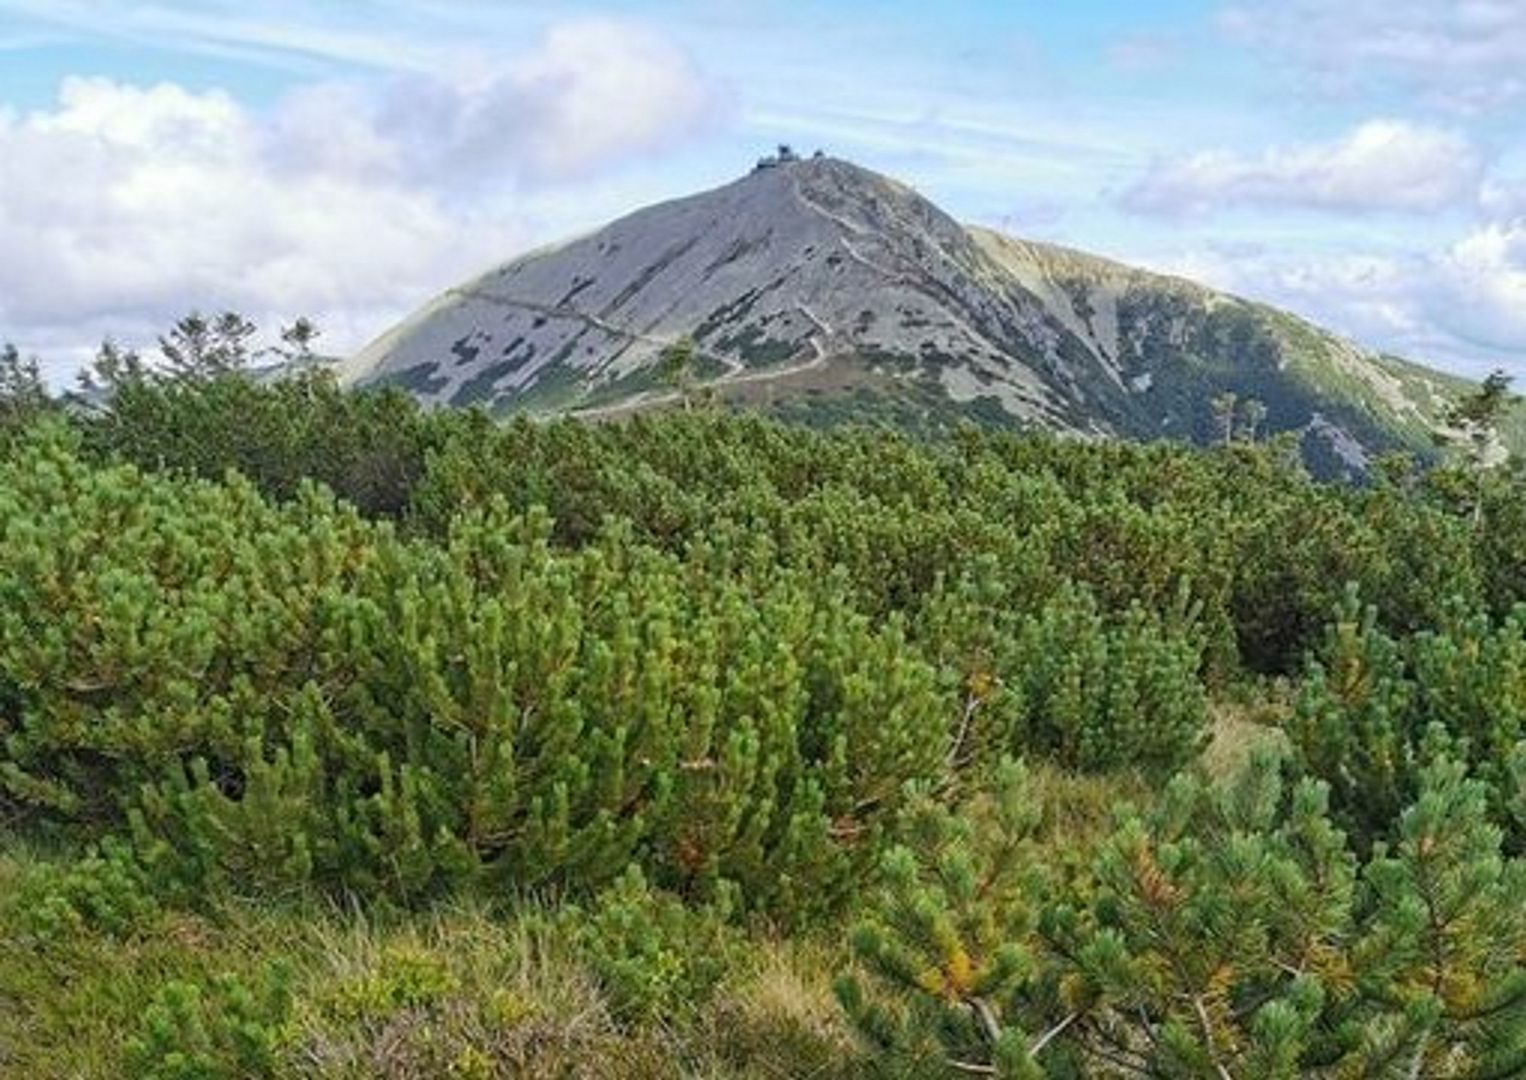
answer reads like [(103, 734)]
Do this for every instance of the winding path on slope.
[(557, 311), (646, 399)]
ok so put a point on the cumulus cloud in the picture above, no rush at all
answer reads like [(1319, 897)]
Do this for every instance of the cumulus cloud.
[(594, 91), (1503, 197), (122, 206), (1484, 278), (1367, 297), (1465, 54), (1381, 165), (1461, 306)]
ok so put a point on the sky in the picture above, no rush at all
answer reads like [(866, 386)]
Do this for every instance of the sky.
[(1360, 162)]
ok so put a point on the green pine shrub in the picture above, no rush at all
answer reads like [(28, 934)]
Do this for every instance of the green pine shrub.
[(371, 448), (654, 957), (104, 890), (701, 680), (1227, 932), (289, 696), (1373, 710), (221, 1030), (1068, 683), (945, 951), (1440, 958)]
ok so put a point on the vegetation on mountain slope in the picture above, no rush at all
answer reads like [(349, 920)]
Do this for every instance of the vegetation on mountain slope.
[(342, 738)]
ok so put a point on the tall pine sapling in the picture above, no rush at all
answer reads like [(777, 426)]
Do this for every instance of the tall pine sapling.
[(22, 390), (1213, 934), (1472, 432), (1441, 958), (199, 348), (943, 952)]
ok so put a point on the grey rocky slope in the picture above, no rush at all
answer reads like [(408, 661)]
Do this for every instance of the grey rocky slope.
[(822, 290)]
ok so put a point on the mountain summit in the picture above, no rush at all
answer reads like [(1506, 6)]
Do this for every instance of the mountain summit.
[(821, 290)]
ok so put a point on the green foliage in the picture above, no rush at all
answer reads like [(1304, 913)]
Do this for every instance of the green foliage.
[(944, 948), (1214, 939), (288, 696), (1442, 952), (1353, 724), (1500, 496), (676, 369), (104, 890), (405, 977), (223, 1030), (271, 643), (1065, 682), (202, 348), (1373, 710), (654, 956), (369, 447), (1263, 551), (1475, 419), (23, 395), (1227, 932)]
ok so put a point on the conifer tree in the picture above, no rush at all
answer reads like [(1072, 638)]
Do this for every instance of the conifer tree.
[(1227, 933), (22, 392), (676, 368), (200, 348), (113, 368), (945, 951), (1440, 960), (24, 401), (1473, 423)]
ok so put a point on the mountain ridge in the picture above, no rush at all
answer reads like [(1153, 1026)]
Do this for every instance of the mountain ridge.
[(821, 290)]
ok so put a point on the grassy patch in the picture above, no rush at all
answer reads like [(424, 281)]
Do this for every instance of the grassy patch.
[(460, 992)]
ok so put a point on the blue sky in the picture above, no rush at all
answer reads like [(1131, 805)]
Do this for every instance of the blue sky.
[(1359, 161)]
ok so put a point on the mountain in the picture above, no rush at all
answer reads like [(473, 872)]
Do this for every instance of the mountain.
[(820, 290)]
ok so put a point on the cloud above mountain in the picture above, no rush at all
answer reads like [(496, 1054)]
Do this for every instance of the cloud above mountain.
[(1484, 275), (1466, 55), (1381, 165), (591, 94), (123, 204), (1466, 299)]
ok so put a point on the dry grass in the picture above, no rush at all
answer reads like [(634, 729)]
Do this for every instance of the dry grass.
[(511, 999), (1239, 729), (459, 993)]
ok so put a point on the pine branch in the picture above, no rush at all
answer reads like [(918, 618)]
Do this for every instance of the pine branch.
[(956, 750), (1058, 1029), (1207, 1026), (988, 1022)]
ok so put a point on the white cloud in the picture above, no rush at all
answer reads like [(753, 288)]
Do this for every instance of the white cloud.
[(1381, 165), (592, 93), (1484, 298), (1462, 306), (1464, 54), (597, 90), (1503, 197), (1364, 296), (123, 206)]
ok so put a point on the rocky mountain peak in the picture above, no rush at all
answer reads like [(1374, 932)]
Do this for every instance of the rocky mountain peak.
[(823, 290)]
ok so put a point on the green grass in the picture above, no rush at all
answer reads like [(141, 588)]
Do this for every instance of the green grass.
[(458, 992)]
